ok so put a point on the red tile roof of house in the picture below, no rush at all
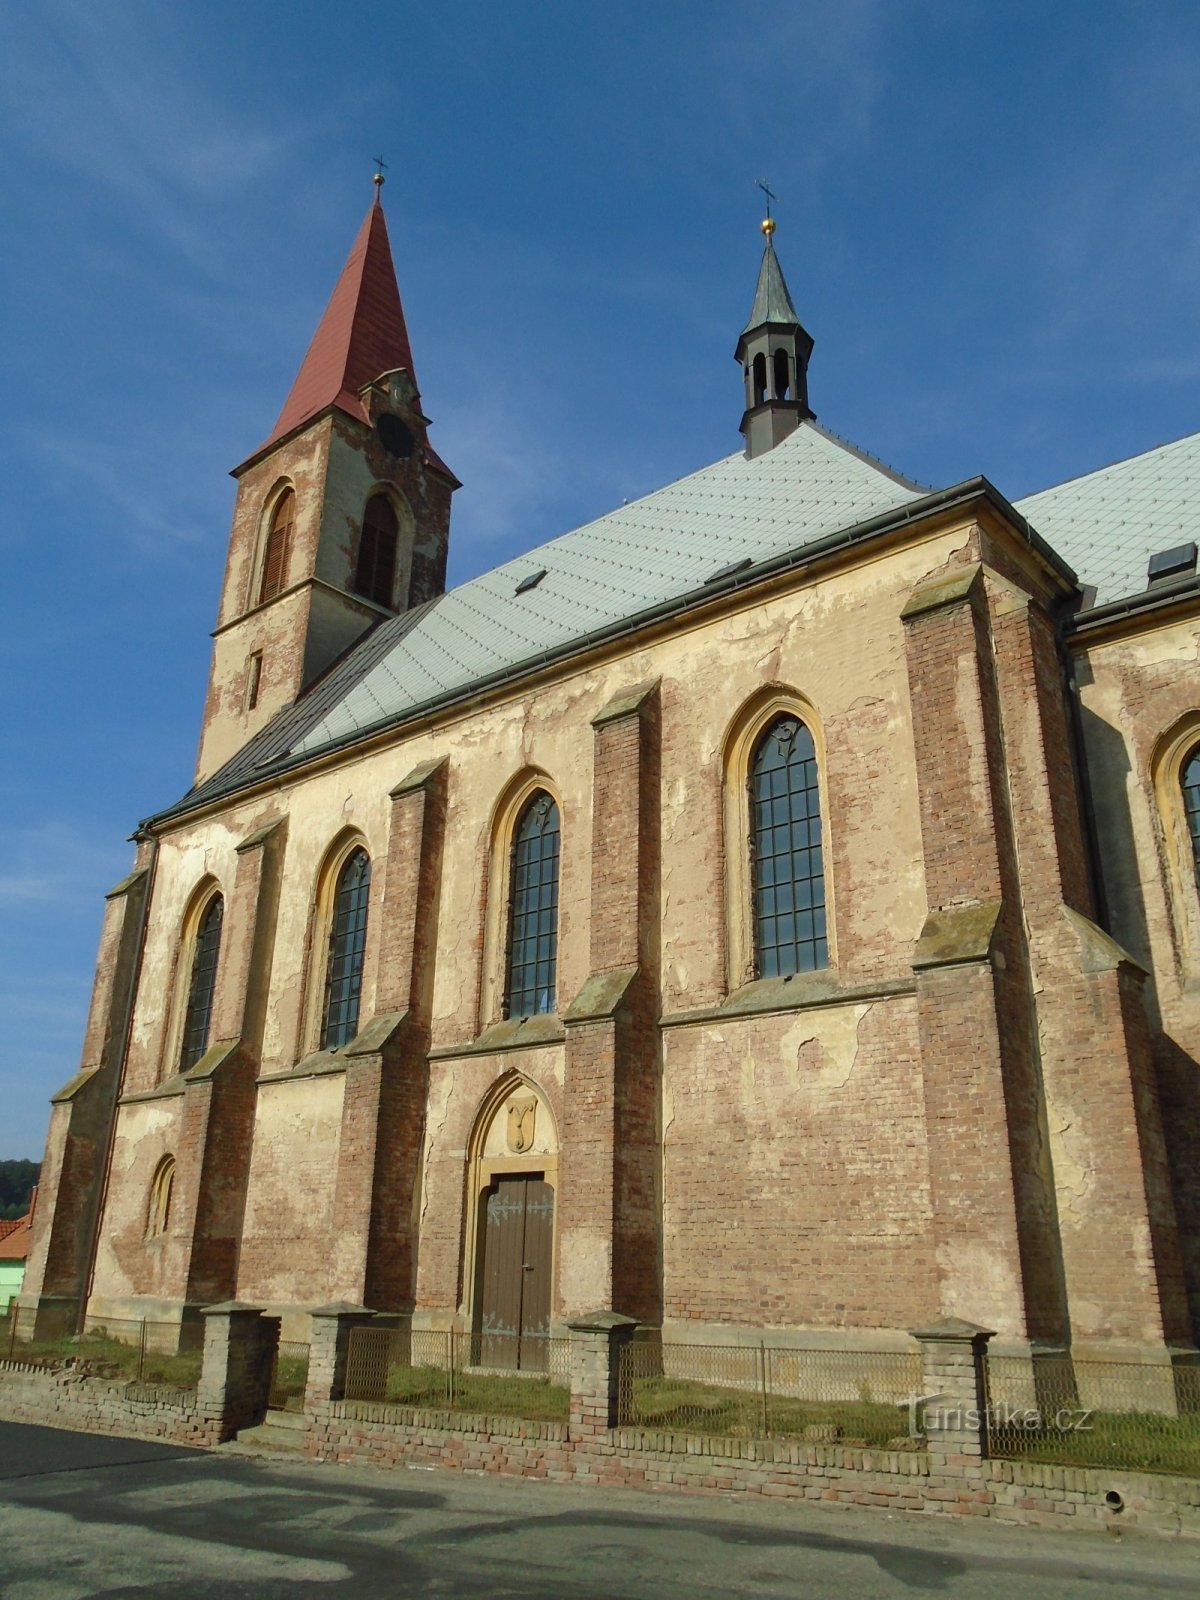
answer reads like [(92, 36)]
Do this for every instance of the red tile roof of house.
[(361, 335), (15, 1237)]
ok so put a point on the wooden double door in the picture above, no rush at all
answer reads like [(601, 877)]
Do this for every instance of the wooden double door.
[(513, 1321)]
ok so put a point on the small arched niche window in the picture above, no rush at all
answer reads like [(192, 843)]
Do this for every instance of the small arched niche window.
[(158, 1213), (782, 380), (197, 1017), (533, 909), (760, 378), (347, 943), (279, 545), (375, 574), (1189, 778), (787, 869)]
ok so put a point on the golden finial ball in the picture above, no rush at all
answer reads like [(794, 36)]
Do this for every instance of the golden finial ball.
[(768, 226)]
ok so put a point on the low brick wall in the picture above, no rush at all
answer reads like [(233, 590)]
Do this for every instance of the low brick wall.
[(66, 1399), (915, 1481), (361, 1431)]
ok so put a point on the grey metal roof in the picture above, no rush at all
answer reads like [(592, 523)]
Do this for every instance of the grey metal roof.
[(663, 548), (1108, 524), (772, 302), (624, 564)]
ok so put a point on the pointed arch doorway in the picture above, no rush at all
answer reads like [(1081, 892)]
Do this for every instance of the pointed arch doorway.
[(514, 1173)]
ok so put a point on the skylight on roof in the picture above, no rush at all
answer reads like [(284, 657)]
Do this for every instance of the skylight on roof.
[(531, 581)]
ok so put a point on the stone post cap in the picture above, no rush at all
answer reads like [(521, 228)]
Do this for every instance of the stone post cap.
[(952, 1330), (601, 1322), (341, 1308), (231, 1308)]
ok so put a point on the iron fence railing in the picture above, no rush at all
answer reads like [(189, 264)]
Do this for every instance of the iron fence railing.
[(851, 1397), (488, 1374), (1141, 1416), (289, 1376), (136, 1349)]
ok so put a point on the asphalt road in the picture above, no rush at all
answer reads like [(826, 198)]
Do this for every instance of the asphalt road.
[(83, 1517)]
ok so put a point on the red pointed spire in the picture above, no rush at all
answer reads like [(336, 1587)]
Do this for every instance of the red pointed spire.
[(361, 335)]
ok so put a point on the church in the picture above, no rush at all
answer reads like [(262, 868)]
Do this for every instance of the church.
[(774, 906)]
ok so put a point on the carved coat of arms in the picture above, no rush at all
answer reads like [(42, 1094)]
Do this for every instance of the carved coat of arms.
[(521, 1117)]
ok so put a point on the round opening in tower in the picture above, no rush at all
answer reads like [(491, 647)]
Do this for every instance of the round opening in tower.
[(394, 435)]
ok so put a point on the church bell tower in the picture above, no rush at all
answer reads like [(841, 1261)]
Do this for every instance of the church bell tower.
[(342, 515), (773, 350)]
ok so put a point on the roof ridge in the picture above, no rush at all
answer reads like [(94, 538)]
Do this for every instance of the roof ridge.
[(1109, 466), (865, 456)]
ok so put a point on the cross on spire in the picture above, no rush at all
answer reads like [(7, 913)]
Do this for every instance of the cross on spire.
[(380, 166), (761, 183)]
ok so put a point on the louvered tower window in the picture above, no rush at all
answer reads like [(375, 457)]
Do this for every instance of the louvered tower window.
[(533, 910), (347, 941), (785, 837), (1191, 803), (375, 574), (198, 1016), (279, 544)]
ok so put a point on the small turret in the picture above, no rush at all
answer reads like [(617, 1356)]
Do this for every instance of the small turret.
[(773, 350)]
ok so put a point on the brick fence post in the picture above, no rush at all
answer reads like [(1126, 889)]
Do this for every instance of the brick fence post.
[(329, 1350), (235, 1370), (596, 1344), (954, 1389)]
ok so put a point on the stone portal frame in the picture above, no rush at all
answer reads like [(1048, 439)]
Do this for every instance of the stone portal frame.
[(484, 1165), (1167, 764), (498, 890), (317, 942), (203, 895), (254, 569), (741, 743)]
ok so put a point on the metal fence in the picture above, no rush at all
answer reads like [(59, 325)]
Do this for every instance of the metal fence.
[(1138, 1415), (852, 1397), (137, 1350), (488, 1374)]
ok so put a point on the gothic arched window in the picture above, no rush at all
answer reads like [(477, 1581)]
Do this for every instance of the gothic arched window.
[(198, 1015), (533, 909), (158, 1213), (347, 942), (788, 875), (279, 544), (1190, 779), (375, 574)]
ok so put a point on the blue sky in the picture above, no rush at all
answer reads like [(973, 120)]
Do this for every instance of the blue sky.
[(988, 216)]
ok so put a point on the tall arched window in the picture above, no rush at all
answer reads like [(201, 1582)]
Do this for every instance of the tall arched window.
[(158, 1213), (279, 544), (785, 840), (782, 379), (347, 942), (760, 378), (533, 910), (375, 574), (198, 1015), (1190, 778)]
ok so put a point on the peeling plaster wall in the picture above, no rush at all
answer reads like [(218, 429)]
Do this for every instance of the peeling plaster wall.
[(1136, 693), (796, 1186), (288, 1236)]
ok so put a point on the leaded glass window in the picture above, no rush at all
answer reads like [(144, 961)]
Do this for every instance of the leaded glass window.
[(347, 941), (198, 1016), (533, 910), (1191, 803), (788, 873)]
